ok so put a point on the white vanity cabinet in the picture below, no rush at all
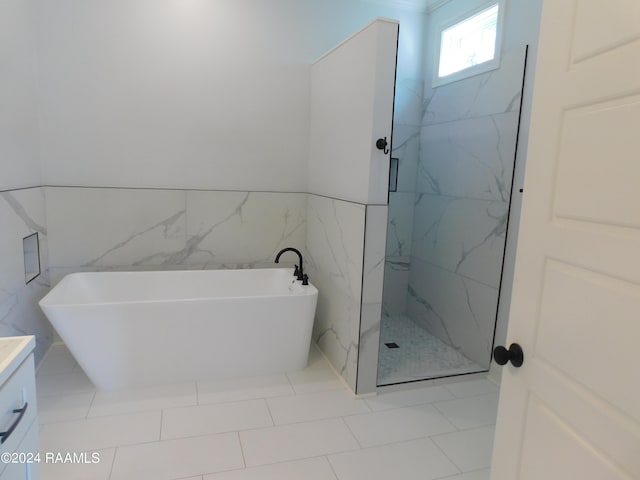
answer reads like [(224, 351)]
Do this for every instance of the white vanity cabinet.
[(18, 410)]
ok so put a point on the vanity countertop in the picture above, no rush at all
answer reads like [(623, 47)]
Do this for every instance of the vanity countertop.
[(13, 350)]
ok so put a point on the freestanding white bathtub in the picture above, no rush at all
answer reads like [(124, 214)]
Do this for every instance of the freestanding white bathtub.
[(129, 329)]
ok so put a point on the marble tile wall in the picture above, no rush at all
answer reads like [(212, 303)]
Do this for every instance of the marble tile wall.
[(406, 144), (372, 288), (464, 176), (145, 229), (335, 260), (110, 228), (22, 213)]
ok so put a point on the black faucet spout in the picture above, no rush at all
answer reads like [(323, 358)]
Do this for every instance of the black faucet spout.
[(299, 271)]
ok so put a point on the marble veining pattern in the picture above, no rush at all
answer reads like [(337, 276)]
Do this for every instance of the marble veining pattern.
[(400, 224), (335, 243), (372, 289), (464, 236), (243, 226), (457, 310), (408, 101), (406, 146), (497, 91), (22, 213), (471, 158), (458, 210), (396, 285), (165, 228), (137, 229)]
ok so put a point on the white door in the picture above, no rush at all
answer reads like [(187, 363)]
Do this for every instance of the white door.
[(572, 411)]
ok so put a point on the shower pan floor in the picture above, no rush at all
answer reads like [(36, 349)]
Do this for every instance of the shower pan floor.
[(418, 355)]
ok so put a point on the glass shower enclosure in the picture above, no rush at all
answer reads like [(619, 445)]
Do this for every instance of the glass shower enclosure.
[(447, 227)]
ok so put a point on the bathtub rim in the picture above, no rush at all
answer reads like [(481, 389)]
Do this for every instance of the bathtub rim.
[(307, 290)]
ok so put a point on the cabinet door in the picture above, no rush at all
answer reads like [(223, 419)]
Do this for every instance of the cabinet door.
[(28, 447), (18, 392), (15, 471), (31, 444)]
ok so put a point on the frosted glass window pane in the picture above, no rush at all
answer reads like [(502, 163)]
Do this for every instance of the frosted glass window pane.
[(468, 43)]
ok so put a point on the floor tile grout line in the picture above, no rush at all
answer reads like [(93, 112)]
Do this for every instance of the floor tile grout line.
[(298, 422), (352, 433), (283, 462), (445, 453), (150, 442), (90, 405), (432, 438), (454, 476), (227, 402), (290, 383), (124, 414), (473, 395), (333, 470), (273, 423), (244, 459), (113, 462), (265, 400), (197, 435)]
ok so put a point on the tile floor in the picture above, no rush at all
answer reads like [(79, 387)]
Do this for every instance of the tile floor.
[(420, 355), (303, 425)]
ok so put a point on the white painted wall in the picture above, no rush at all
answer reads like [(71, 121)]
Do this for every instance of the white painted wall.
[(351, 107), (189, 93), (19, 166), (22, 209)]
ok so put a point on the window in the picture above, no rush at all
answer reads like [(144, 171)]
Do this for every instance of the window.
[(470, 45)]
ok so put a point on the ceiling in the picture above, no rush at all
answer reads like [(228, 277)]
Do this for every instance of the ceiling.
[(417, 5)]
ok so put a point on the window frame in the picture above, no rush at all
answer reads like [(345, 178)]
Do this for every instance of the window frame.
[(484, 67)]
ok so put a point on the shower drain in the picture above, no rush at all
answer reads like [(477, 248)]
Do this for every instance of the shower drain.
[(392, 345)]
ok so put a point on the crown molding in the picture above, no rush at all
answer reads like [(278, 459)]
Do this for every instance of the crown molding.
[(422, 6)]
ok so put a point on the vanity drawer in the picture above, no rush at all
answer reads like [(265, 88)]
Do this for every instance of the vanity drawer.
[(18, 392), (29, 470)]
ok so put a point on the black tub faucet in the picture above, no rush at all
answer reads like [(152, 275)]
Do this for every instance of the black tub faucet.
[(298, 272)]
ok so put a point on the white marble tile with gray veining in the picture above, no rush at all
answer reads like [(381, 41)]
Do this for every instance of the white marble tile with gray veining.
[(497, 91), (104, 228), (368, 351), (408, 101), (242, 227), (470, 158), (465, 236), (406, 148), (22, 213), (335, 246), (374, 253), (400, 224), (21, 315), (459, 311), (97, 227), (396, 284), (372, 289)]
